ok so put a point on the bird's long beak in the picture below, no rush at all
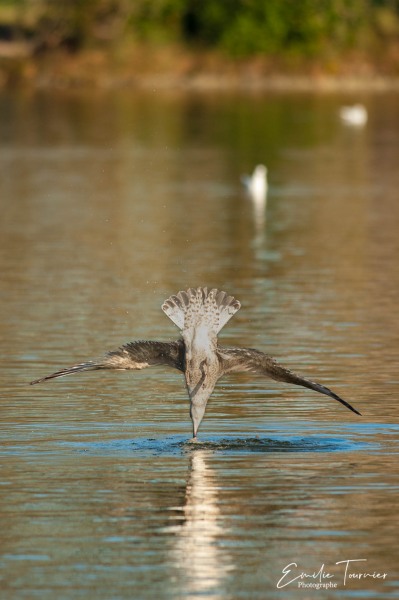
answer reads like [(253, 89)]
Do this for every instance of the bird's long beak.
[(197, 412)]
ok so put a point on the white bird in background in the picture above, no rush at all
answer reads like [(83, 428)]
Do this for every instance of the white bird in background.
[(256, 187), (256, 184), (354, 115)]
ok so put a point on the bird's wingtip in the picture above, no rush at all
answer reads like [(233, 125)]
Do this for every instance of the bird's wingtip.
[(40, 380)]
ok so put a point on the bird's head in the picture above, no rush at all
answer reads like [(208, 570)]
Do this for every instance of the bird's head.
[(200, 386)]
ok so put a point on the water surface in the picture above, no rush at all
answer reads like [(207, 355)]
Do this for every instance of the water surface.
[(112, 202)]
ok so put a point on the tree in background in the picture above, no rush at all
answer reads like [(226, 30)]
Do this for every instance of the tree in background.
[(239, 28)]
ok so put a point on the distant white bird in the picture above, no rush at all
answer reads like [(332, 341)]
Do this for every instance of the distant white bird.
[(256, 184), (256, 187), (354, 115)]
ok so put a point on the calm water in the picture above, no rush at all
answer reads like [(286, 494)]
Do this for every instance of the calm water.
[(110, 203)]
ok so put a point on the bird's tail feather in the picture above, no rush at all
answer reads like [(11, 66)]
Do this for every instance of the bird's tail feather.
[(198, 307), (87, 366)]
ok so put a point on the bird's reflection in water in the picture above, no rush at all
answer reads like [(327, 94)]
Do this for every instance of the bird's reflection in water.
[(259, 219), (200, 558)]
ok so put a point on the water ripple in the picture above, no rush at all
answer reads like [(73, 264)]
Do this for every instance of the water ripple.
[(177, 445)]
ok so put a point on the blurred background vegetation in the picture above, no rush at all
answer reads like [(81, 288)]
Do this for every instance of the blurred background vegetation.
[(282, 30)]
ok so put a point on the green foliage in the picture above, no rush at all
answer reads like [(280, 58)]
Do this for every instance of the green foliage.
[(245, 27), (156, 19), (238, 27), (80, 23)]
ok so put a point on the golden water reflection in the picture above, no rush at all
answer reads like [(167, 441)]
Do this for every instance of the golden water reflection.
[(112, 202), (203, 562)]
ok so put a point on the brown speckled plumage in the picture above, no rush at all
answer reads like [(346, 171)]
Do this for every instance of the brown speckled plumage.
[(200, 315)]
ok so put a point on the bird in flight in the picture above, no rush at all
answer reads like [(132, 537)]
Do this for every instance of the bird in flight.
[(200, 315)]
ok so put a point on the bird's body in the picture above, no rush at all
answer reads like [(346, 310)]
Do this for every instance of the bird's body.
[(200, 315), (256, 184), (354, 115)]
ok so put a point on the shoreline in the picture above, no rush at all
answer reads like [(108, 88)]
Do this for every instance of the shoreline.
[(176, 69)]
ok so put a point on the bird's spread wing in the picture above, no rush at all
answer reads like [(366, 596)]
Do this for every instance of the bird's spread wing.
[(254, 361), (134, 355)]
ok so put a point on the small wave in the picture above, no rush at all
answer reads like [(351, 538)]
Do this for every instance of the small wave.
[(257, 444)]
